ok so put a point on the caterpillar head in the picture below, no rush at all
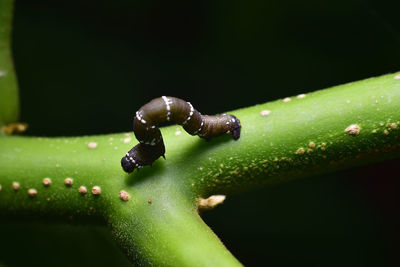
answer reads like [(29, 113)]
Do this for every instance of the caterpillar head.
[(129, 164), (142, 155), (236, 128)]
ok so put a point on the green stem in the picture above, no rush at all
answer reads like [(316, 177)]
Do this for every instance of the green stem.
[(166, 232), (9, 102), (303, 136), (271, 147)]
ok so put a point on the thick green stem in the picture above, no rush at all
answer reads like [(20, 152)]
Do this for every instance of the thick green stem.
[(9, 103), (167, 231), (323, 131), (327, 130)]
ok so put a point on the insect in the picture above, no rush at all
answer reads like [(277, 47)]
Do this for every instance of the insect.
[(167, 108)]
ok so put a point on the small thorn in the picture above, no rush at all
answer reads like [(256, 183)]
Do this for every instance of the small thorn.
[(163, 156)]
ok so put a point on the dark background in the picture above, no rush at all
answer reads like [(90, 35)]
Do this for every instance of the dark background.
[(85, 67)]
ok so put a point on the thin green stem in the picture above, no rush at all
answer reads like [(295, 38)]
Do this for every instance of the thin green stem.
[(9, 102)]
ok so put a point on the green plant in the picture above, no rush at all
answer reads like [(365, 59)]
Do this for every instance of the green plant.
[(287, 139)]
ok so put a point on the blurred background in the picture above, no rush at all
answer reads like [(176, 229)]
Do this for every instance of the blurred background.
[(84, 67)]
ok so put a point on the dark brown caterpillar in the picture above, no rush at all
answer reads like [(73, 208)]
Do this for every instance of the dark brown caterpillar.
[(162, 109)]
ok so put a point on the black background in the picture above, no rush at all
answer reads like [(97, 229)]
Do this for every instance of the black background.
[(85, 67)]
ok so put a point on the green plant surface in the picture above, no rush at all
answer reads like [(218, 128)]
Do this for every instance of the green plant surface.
[(281, 140), (9, 105)]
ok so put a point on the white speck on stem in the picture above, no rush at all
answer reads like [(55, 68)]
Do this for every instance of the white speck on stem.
[(286, 99), (300, 151), (265, 112), (92, 145), (210, 202), (32, 192), (178, 132), (96, 190), (46, 182), (124, 195), (15, 186), (82, 190), (301, 96), (353, 129), (68, 181), (397, 77)]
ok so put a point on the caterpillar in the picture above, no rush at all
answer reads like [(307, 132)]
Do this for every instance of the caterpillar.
[(166, 108)]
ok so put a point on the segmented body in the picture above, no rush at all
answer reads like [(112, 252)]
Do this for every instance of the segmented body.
[(162, 109)]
